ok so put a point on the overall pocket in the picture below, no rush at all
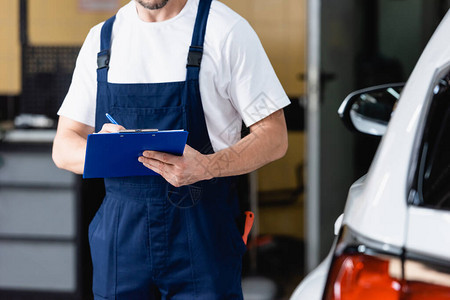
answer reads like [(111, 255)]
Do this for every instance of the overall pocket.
[(237, 242), (96, 220)]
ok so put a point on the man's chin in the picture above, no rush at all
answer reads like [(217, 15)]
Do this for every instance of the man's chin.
[(153, 5)]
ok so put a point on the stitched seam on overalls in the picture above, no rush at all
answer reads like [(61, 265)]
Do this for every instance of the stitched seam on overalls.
[(188, 223), (166, 237), (147, 238), (115, 249)]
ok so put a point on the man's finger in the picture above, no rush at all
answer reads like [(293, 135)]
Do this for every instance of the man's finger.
[(161, 169), (153, 168), (154, 165), (161, 156)]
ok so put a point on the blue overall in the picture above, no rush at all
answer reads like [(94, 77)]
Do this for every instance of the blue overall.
[(150, 240)]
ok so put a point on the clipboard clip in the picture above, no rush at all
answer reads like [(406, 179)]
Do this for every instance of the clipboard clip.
[(138, 130)]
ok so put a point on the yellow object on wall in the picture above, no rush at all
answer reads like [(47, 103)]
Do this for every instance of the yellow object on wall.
[(281, 26), (283, 220), (284, 174), (62, 23), (10, 53)]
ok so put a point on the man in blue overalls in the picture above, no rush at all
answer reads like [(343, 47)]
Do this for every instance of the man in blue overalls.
[(157, 64)]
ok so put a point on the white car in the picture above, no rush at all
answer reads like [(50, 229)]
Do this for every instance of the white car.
[(393, 241)]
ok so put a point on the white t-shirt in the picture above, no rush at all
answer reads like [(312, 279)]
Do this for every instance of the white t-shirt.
[(237, 81)]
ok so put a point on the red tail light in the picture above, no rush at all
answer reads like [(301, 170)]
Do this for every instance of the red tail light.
[(426, 291), (367, 277), (363, 269), (359, 276)]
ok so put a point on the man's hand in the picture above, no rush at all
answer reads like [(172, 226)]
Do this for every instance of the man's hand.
[(111, 128), (178, 170)]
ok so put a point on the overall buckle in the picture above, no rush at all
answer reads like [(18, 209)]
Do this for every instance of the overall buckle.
[(103, 59), (194, 56)]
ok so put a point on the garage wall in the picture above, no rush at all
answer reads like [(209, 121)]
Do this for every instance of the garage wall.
[(50, 23), (400, 31), (62, 23), (10, 53), (281, 26)]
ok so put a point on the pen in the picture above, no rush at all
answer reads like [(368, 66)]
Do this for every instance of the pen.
[(111, 119)]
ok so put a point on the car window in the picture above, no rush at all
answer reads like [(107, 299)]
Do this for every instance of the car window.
[(433, 179)]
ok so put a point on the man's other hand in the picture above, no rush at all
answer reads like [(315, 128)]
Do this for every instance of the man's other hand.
[(178, 170)]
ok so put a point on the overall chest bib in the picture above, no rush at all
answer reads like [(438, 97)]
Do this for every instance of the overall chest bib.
[(148, 237)]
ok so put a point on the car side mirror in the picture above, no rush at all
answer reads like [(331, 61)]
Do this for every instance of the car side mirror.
[(369, 110)]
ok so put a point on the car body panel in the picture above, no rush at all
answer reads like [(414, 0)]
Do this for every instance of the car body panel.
[(428, 232), (314, 283)]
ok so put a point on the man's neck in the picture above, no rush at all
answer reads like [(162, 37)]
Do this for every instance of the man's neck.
[(170, 10)]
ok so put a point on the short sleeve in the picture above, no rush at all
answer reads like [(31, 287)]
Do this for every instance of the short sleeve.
[(254, 88), (80, 101)]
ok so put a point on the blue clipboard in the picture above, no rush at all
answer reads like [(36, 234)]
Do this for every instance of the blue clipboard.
[(116, 154)]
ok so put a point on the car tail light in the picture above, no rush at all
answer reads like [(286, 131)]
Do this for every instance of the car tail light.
[(359, 276), (369, 273)]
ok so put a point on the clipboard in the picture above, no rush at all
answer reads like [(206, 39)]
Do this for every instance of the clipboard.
[(116, 154)]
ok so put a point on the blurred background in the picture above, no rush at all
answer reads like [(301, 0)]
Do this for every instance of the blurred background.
[(45, 212)]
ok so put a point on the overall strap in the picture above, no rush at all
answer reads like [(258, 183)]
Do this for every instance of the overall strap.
[(196, 49), (105, 50)]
